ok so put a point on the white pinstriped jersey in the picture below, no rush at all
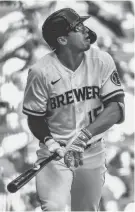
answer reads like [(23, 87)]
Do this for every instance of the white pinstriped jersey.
[(71, 100)]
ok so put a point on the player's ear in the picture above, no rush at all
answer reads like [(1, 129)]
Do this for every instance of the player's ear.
[(62, 40)]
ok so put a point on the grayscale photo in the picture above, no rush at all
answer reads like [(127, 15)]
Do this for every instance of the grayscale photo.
[(67, 105)]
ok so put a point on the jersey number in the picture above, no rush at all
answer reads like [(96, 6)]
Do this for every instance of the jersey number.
[(94, 113)]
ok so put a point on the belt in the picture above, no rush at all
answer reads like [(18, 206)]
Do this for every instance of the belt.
[(87, 147), (92, 144)]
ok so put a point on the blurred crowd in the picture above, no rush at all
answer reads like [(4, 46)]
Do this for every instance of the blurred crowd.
[(21, 44)]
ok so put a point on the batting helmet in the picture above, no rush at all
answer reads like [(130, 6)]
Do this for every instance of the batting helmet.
[(60, 23)]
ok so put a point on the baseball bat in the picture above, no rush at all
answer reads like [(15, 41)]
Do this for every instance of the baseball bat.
[(26, 176)]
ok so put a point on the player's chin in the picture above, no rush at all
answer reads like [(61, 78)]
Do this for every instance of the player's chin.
[(87, 47)]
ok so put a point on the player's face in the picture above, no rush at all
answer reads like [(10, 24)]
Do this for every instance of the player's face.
[(79, 40)]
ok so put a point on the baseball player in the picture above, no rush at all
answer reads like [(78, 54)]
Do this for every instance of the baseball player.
[(73, 95)]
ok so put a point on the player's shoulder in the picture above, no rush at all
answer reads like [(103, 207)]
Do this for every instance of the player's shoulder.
[(43, 65), (95, 53)]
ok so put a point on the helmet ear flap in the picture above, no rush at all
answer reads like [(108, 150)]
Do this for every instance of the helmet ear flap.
[(92, 35)]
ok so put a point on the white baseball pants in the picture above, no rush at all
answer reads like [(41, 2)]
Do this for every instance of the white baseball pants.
[(79, 189)]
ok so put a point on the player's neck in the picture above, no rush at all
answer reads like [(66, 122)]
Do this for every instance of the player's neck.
[(70, 59)]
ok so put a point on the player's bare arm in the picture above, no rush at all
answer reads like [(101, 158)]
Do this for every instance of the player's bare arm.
[(111, 115)]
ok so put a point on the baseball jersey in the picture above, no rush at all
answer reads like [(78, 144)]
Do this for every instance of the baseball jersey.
[(71, 100)]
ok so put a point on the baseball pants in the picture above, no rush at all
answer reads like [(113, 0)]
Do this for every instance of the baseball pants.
[(59, 187)]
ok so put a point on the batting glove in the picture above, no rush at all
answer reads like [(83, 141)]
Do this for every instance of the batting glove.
[(74, 155), (54, 146)]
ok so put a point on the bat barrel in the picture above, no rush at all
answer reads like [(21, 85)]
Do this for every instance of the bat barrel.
[(12, 188), (25, 177), (21, 180)]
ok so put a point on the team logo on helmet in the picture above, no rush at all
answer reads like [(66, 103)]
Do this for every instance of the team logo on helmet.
[(115, 78)]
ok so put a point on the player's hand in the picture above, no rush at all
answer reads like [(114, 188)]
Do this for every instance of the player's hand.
[(74, 155), (57, 147), (73, 158), (50, 146)]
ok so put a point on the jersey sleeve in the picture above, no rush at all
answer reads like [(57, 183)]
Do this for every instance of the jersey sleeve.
[(111, 86), (35, 95), (110, 82)]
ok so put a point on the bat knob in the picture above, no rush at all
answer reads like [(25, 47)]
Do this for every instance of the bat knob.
[(36, 167)]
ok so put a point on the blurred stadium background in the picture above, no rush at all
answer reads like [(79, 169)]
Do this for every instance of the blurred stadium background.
[(21, 44)]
